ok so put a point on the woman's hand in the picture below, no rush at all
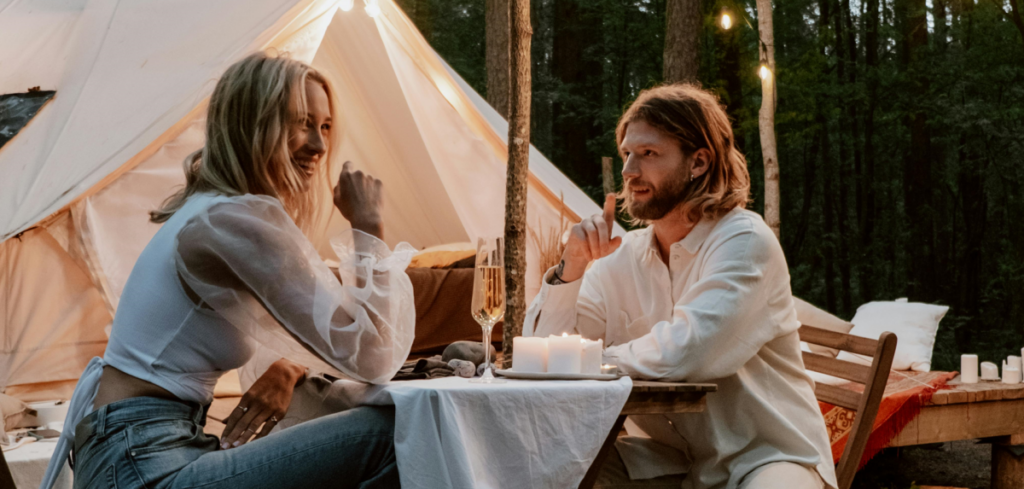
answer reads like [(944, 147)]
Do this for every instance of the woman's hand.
[(264, 404), (359, 198), (589, 240)]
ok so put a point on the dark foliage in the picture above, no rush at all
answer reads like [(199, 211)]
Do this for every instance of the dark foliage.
[(900, 130)]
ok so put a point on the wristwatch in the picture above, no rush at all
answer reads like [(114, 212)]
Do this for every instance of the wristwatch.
[(556, 276)]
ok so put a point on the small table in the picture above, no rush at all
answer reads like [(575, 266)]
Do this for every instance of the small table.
[(990, 409), (651, 397)]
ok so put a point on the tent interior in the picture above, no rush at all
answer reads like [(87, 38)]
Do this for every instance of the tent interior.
[(132, 79)]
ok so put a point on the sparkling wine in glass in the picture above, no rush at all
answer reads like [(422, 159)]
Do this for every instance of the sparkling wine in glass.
[(488, 305)]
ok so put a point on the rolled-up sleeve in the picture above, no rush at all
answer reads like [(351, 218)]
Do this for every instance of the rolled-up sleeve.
[(575, 308), (719, 323)]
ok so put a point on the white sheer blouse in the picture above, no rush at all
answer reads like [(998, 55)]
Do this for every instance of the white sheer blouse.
[(227, 275), (248, 261)]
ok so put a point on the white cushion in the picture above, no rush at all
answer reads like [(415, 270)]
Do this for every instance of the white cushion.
[(809, 315), (914, 323)]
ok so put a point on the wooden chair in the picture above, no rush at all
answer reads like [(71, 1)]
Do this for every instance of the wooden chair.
[(6, 479), (866, 404)]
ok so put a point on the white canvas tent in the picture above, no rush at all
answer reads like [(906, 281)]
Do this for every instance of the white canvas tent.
[(132, 78)]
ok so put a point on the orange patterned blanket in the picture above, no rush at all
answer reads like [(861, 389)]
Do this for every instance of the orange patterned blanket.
[(905, 393)]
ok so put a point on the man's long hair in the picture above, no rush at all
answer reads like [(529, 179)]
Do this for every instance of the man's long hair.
[(248, 125), (696, 119)]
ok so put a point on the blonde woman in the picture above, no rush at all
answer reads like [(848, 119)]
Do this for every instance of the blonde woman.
[(229, 270)]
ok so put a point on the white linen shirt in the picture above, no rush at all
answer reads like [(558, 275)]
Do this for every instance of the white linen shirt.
[(720, 312)]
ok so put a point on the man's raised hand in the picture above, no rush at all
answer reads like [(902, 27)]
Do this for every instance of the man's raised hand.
[(590, 240)]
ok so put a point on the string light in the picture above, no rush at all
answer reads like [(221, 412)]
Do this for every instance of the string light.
[(346, 5), (726, 21), (372, 8), (765, 73)]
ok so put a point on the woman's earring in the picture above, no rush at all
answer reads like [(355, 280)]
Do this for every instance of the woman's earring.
[(692, 176)]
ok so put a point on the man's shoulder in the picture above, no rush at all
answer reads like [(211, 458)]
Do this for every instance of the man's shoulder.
[(741, 223), (740, 220)]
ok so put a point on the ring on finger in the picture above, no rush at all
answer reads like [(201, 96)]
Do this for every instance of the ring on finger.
[(273, 419), (243, 408)]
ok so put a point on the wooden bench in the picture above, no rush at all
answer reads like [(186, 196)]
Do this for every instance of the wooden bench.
[(989, 410)]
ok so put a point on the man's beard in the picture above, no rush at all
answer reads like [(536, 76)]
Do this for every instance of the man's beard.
[(662, 201)]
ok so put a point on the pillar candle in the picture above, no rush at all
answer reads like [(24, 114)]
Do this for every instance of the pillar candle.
[(590, 361), (564, 354), (1011, 375), (969, 369), (1013, 361), (530, 354), (989, 371)]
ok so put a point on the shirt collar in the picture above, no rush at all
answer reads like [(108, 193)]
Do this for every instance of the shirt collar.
[(698, 234), (691, 243)]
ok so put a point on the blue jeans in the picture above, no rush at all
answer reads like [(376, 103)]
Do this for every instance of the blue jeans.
[(152, 443)]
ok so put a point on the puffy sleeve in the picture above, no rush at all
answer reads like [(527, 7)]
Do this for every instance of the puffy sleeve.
[(247, 260)]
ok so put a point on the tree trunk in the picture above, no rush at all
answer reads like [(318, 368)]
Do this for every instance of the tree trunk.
[(828, 238), (866, 210), (766, 118), (496, 14), (917, 171), (843, 243), (575, 63), (518, 167), (683, 23)]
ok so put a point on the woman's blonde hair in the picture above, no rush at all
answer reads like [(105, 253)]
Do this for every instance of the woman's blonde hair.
[(248, 125), (696, 119)]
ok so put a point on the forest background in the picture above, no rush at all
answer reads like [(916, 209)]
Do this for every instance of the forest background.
[(900, 129)]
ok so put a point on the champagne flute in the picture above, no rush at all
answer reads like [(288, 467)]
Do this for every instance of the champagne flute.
[(488, 306)]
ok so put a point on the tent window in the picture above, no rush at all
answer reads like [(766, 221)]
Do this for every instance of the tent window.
[(16, 109)]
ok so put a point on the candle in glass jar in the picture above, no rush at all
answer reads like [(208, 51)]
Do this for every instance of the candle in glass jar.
[(609, 369), (590, 361), (969, 369), (530, 354), (564, 354)]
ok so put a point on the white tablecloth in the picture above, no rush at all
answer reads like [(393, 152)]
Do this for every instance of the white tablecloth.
[(451, 433), (28, 464)]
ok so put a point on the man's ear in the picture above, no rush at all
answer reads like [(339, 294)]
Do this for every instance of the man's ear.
[(701, 162)]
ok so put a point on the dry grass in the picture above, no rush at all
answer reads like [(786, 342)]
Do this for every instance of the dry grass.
[(549, 242)]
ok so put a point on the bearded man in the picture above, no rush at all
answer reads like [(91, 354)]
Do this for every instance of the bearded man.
[(701, 294)]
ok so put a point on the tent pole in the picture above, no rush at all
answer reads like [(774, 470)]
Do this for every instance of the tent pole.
[(518, 168)]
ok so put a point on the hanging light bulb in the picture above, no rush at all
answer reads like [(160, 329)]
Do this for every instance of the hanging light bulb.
[(765, 73), (372, 8), (346, 5), (726, 21)]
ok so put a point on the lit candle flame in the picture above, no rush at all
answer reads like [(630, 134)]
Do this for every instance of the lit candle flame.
[(565, 335), (765, 73), (726, 21)]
